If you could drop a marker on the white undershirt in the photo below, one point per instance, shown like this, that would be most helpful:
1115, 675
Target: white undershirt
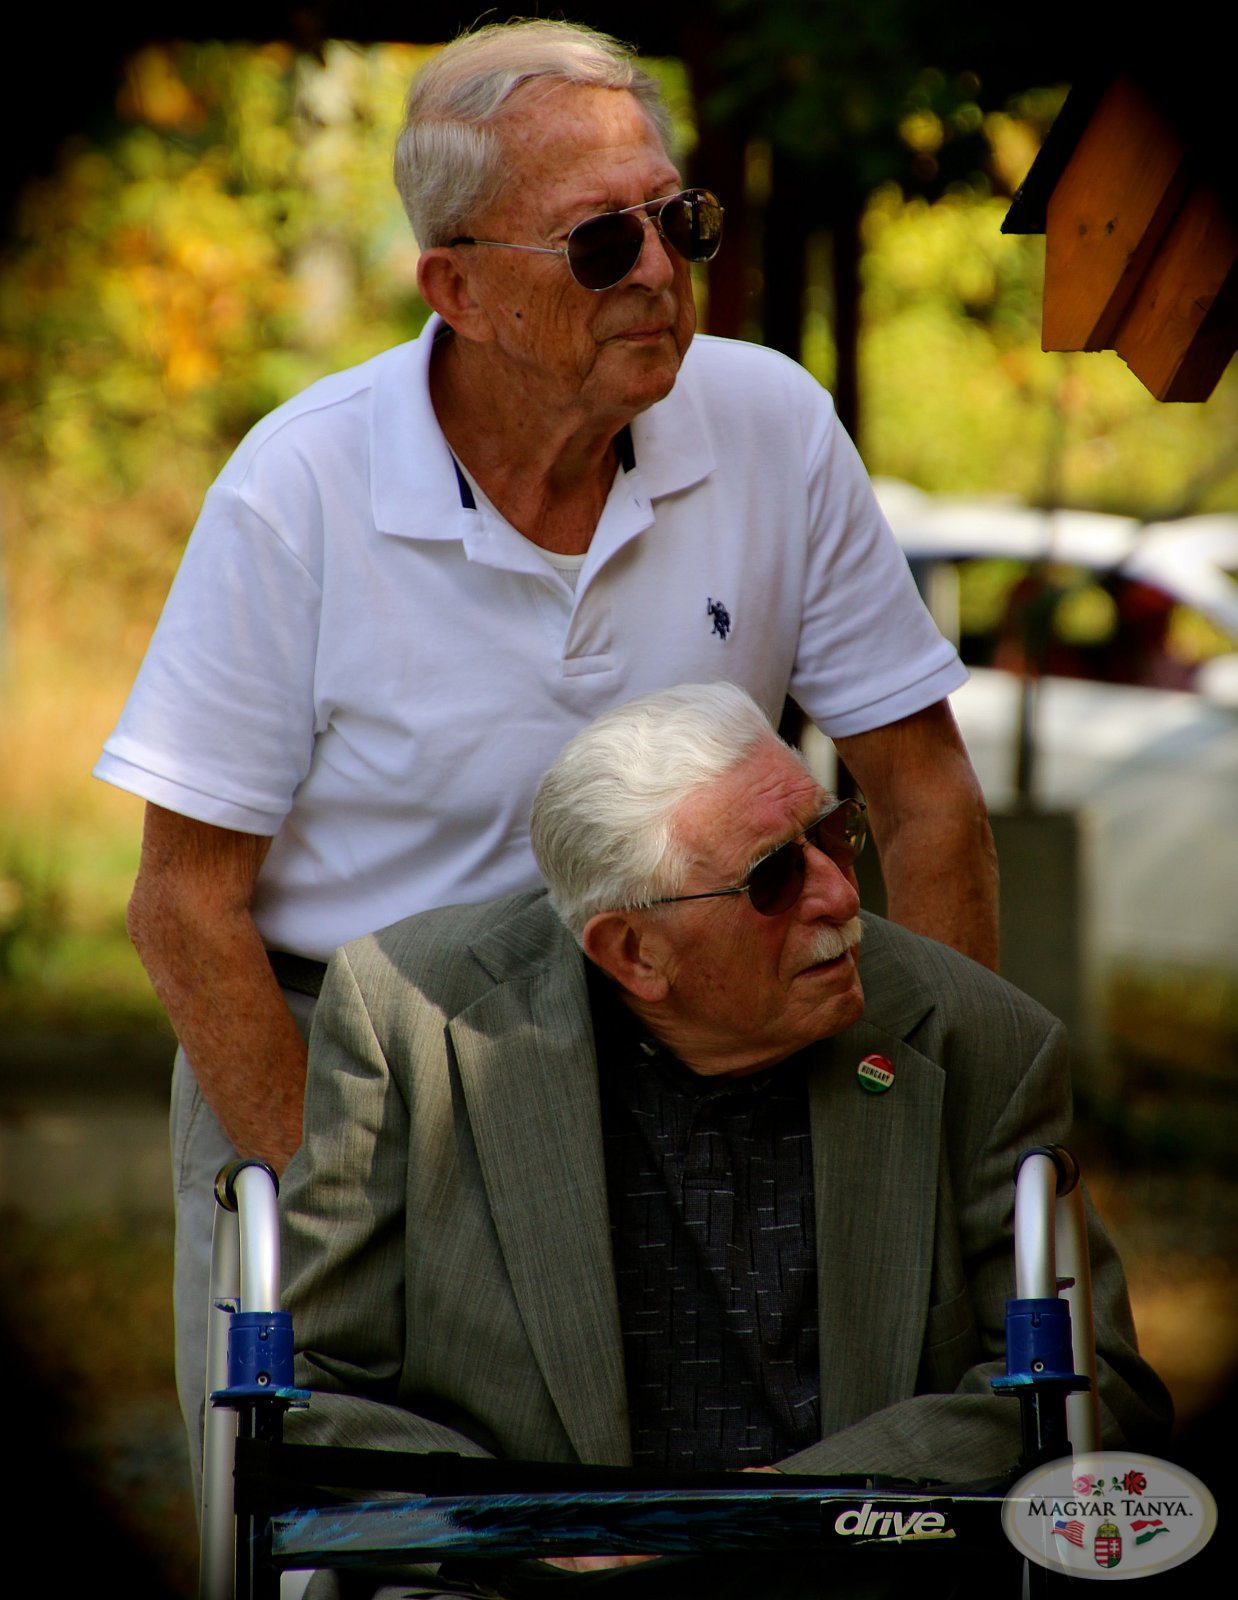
568, 566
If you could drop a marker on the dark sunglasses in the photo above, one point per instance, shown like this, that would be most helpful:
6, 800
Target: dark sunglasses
601, 251
775, 883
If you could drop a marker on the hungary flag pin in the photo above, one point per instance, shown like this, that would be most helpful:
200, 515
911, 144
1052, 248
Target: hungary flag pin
876, 1074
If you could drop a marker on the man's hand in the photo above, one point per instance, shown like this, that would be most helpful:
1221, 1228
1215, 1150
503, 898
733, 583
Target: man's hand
593, 1563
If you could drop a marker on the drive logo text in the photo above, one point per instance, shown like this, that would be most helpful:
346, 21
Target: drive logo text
886, 1522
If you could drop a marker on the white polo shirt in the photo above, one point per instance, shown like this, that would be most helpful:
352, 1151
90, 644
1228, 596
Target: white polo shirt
362, 659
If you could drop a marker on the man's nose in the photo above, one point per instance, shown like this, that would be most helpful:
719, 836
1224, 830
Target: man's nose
829, 891
655, 268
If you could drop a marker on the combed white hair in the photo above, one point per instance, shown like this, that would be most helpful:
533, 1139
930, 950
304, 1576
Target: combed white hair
602, 817
448, 157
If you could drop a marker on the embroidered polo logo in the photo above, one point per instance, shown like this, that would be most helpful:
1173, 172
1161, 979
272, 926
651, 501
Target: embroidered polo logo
721, 616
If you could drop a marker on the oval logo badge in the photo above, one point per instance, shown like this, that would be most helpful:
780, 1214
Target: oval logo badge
1110, 1514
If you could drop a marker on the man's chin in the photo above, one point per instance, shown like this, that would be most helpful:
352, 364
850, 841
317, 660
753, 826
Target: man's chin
848, 1007
650, 368
833, 989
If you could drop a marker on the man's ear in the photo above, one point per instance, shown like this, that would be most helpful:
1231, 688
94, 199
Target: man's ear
628, 954
446, 288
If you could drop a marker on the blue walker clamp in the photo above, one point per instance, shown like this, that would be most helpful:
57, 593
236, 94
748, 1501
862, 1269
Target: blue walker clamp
260, 1360
1038, 1347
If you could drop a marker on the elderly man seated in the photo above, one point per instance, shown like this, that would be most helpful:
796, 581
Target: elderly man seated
685, 1163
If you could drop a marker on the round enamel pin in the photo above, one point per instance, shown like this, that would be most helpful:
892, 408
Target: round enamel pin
876, 1074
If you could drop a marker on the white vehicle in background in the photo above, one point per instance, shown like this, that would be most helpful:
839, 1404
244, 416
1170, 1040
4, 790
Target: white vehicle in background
1137, 783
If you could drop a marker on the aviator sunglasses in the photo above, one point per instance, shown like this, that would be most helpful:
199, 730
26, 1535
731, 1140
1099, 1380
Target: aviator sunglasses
774, 884
601, 251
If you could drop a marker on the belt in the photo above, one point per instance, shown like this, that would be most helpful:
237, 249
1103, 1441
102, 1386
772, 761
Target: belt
301, 974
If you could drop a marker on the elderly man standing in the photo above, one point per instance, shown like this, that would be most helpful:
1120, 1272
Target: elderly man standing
596, 1176
413, 583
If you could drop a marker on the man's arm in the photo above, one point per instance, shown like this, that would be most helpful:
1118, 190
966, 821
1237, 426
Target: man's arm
970, 1433
931, 828
343, 1211
190, 922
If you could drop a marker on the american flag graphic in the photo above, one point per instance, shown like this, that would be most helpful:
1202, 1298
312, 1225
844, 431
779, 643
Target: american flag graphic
1071, 1531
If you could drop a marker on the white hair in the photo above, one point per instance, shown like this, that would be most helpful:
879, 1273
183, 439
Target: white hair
602, 823
448, 157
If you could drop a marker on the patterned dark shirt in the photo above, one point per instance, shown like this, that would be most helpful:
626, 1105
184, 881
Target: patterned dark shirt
710, 1189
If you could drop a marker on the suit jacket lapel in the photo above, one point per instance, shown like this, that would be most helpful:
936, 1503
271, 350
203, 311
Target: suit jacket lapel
528, 1069
875, 1161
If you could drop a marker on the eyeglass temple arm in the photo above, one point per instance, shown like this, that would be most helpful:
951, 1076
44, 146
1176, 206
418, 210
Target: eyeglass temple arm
506, 244
709, 894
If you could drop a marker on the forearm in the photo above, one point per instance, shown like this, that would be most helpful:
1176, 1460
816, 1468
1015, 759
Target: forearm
948, 1438
974, 1433
190, 923
940, 871
216, 985
931, 829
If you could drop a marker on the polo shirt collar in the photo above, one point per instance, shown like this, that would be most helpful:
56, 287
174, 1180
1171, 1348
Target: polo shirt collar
414, 491
416, 486
671, 440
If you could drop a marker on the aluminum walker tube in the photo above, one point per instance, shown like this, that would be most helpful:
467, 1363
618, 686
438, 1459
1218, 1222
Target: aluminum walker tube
1050, 1231
244, 1277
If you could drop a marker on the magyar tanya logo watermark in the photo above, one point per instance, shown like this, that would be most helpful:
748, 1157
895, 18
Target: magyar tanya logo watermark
1109, 1514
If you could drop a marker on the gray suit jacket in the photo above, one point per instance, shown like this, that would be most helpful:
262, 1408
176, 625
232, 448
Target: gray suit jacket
447, 1244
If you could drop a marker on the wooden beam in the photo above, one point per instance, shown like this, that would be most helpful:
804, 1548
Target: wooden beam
1106, 217
1181, 326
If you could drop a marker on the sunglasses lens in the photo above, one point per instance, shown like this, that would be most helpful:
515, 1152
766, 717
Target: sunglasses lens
602, 251
692, 222
840, 834
775, 883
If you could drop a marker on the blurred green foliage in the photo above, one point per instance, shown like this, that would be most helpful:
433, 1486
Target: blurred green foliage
238, 236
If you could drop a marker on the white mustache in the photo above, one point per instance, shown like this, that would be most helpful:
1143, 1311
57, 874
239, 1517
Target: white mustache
831, 943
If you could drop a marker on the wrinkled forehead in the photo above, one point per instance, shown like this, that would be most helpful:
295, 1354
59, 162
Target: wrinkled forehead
554, 132
768, 797
540, 101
